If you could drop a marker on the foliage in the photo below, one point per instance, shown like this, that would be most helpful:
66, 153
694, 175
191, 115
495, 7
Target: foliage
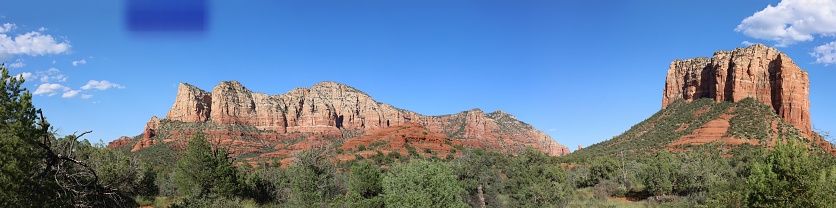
202, 171
364, 180
313, 179
790, 177
750, 120
479, 168
40, 170
534, 182
422, 184
680, 118
23, 182
412, 152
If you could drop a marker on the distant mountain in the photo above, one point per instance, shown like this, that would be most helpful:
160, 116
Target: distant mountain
748, 96
255, 124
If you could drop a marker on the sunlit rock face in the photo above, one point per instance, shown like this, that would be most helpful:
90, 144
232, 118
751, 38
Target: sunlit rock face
334, 110
758, 71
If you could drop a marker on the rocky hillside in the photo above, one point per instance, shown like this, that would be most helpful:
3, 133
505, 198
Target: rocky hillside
326, 114
747, 96
758, 71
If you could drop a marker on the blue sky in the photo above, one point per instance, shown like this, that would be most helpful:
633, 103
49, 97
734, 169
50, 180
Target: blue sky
582, 71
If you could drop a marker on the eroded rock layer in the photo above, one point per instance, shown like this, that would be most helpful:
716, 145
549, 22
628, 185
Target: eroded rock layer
330, 108
758, 71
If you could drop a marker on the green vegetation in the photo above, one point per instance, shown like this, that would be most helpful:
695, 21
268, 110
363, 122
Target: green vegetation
791, 177
204, 172
751, 120
422, 184
40, 169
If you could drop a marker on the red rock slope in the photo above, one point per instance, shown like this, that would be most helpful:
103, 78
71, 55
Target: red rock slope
757, 71
342, 112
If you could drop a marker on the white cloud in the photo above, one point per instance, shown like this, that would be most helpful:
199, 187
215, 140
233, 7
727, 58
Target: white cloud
7, 27
51, 74
42, 29
17, 64
32, 44
26, 75
70, 94
60, 78
101, 85
791, 21
825, 54
747, 43
50, 89
86, 96
552, 129
82, 61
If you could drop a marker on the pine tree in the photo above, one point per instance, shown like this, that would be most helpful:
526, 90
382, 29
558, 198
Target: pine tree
24, 139
202, 172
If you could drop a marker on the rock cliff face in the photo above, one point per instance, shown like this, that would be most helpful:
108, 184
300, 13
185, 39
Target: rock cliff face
758, 71
330, 108
192, 104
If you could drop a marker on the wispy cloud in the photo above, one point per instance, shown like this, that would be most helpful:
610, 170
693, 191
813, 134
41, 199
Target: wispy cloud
825, 54
101, 85
7, 27
79, 62
791, 21
86, 96
17, 64
747, 43
51, 74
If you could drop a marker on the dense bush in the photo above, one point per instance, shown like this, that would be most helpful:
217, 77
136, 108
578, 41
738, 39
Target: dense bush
422, 184
790, 177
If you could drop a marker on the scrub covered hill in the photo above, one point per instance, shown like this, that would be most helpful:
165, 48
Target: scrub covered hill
684, 125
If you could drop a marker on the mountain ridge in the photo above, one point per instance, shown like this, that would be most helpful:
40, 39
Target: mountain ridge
333, 110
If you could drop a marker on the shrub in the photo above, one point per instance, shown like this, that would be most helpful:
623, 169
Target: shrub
364, 180
422, 184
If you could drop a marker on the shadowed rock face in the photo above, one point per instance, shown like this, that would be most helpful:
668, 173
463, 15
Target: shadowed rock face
758, 71
330, 108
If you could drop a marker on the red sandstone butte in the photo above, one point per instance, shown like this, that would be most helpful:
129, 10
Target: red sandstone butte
758, 71
330, 108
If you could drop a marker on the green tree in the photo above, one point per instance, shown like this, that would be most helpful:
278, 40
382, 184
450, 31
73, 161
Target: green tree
40, 170
659, 175
202, 171
533, 181
478, 175
422, 184
23, 130
364, 185
364, 180
312, 179
790, 177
